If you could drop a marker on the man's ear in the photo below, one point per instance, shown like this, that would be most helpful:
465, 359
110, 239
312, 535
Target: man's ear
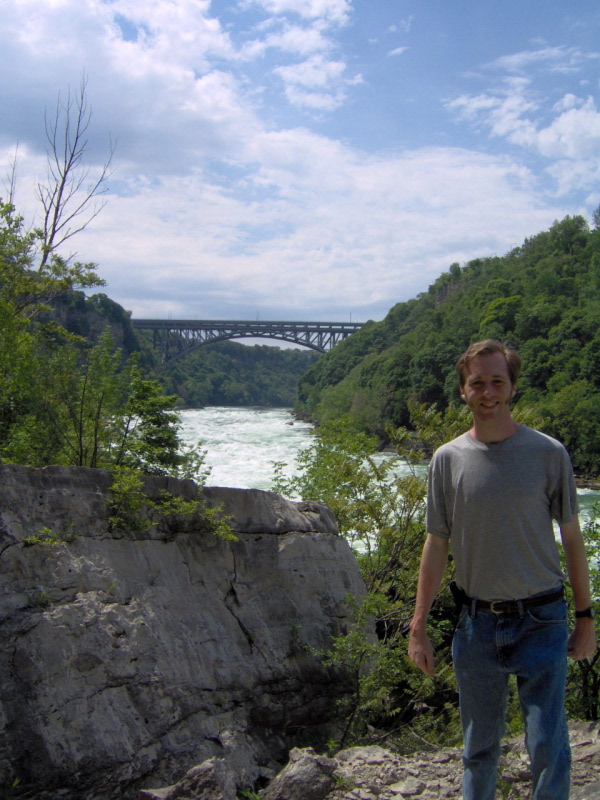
514, 391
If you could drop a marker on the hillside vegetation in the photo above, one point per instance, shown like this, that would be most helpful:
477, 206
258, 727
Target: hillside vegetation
542, 297
233, 374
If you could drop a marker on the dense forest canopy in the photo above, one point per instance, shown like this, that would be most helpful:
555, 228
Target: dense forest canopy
234, 374
542, 297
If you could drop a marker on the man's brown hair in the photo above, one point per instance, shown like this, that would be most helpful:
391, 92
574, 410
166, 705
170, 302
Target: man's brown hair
487, 348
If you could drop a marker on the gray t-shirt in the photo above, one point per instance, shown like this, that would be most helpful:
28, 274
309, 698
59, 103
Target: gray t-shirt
496, 502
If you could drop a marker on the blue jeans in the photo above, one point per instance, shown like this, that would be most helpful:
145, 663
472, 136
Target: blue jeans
486, 649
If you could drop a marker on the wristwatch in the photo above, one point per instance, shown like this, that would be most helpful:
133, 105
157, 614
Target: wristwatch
587, 612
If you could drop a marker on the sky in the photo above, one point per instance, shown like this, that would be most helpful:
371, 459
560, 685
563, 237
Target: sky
310, 160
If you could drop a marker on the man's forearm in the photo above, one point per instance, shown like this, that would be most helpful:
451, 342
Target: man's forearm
431, 572
582, 642
577, 566
433, 564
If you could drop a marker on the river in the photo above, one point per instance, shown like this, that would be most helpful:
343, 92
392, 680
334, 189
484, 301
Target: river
241, 445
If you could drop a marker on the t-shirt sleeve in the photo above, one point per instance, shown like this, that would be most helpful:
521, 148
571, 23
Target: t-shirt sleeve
437, 520
563, 494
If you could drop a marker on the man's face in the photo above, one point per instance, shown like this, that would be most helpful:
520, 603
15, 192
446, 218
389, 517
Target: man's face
488, 389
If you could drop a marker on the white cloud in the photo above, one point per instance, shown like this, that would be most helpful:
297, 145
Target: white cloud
335, 11
289, 39
571, 176
503, 113
318, 83
567, 102
174, 32
560, 59
567, 130
406, 24
472, 107
316, 101
140, 90
316, 72
574, 134
397, 51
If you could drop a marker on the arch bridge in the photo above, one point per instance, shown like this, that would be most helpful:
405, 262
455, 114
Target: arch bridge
175, 338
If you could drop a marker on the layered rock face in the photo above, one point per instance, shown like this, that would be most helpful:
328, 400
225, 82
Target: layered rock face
129, 656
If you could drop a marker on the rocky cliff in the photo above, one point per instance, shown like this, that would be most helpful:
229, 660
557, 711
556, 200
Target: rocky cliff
129, 656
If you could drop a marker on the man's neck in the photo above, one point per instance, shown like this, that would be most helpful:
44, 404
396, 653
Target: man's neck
494, 431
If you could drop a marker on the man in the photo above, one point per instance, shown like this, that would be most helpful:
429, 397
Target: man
493, 494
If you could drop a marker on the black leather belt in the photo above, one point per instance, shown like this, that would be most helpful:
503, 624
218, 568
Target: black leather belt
504, 606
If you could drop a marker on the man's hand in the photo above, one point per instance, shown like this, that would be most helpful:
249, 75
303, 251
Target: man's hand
582, 641
420, 652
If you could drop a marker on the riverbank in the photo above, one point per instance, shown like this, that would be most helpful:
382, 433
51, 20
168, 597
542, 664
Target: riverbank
587, 483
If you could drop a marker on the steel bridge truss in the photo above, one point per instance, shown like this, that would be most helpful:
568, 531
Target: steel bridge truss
176, 338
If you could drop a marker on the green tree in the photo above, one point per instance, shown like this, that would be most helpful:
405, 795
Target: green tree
62, 400
27, 288
570, 234
574, 418
583, 686
25, 291
499, 317
88, 407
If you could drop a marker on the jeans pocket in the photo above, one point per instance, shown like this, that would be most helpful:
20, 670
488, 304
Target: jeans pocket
549, 614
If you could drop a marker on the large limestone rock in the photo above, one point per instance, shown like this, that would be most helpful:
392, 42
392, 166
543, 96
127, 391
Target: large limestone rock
128, 657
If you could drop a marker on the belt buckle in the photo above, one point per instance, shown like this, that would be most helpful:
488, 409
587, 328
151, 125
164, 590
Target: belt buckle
493, 604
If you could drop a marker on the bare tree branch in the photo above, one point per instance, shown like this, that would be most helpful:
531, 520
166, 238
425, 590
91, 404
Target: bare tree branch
10, 181
69, 207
